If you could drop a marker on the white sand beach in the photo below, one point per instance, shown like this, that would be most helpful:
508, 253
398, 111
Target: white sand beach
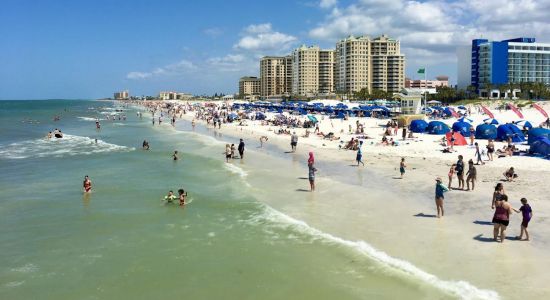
397, 216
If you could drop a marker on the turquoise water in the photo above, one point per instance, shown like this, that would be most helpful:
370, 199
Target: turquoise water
120, 242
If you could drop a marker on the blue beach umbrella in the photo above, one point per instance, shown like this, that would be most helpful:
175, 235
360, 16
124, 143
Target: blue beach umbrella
523, 123
491, 121
464, 119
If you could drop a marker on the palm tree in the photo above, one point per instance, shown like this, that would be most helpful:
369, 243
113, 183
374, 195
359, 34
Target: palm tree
471, 90
511, 87
488, 86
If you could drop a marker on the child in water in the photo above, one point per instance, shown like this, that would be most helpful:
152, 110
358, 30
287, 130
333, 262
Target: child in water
182, 196
170, 197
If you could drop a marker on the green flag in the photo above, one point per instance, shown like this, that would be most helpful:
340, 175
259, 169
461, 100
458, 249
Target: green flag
421, 71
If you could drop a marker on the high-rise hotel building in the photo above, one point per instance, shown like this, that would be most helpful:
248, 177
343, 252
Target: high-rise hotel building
249, 85
514, 60
312, 71
275, 76
362, 62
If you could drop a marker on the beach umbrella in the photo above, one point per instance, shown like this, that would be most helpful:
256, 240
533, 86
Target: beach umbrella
312, 119
523, 123
464, 119
492, 121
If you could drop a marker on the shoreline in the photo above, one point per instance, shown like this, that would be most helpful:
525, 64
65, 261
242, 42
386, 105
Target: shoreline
468, 237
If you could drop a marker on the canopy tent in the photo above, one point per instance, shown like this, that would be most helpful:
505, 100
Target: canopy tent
434, 102
459, 140
523, 123
486, 132
463, 128
260, 116
437, 127
233, 116
418, 126
464, 119
541, 146
536, 133
509, 130
491, 121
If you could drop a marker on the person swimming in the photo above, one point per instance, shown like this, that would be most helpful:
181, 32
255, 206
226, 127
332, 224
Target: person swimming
182, 197
57, 133
170, 197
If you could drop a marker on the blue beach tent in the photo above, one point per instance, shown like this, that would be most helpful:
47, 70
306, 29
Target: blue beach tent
463, 128
418, 126
537, 133
486, 132
260, 116
523, 123
437, 127
540, 147
510, 130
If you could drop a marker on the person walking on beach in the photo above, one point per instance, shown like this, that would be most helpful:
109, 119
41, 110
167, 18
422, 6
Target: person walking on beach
359, 156
404, 132
263, 139
490, 149
241, 148
527, 214
497, 194
293, 141
471, 175
312, 170
87, 184
402, 167
440, 190
478, 155
460, 172
472, 135
451, 174
501, 218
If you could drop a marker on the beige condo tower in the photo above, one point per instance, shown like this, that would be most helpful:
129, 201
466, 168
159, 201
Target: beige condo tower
275, 76
312, 71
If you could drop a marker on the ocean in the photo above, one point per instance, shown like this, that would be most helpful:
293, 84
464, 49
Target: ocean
122, 242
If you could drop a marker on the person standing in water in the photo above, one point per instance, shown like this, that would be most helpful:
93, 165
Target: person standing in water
241, 148
312, 170
175, 155
227, 152
293, 141
402, 167
182, 196
87, 184
440, 190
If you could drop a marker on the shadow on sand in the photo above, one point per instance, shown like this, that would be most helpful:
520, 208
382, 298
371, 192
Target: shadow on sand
482, 222
423, 215
302, 190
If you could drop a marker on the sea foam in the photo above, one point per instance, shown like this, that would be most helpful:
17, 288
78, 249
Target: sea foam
461, 289
69, 145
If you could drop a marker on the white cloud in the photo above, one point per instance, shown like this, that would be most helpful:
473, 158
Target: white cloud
177, 68
431, 30
213, 32
327, 3
262, 37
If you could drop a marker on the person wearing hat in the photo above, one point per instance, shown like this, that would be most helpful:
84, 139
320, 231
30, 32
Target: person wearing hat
440, 189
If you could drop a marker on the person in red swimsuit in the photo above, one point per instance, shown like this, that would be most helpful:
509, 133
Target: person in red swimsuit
87, 184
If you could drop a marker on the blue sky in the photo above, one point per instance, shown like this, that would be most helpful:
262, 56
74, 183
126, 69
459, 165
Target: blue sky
88, 49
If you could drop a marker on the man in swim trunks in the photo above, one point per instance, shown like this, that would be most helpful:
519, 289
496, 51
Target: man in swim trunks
293, 141
87, 184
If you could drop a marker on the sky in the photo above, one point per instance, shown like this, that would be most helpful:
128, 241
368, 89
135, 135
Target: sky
92, 48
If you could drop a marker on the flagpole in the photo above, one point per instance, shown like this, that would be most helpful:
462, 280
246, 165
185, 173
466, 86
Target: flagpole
425, 89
